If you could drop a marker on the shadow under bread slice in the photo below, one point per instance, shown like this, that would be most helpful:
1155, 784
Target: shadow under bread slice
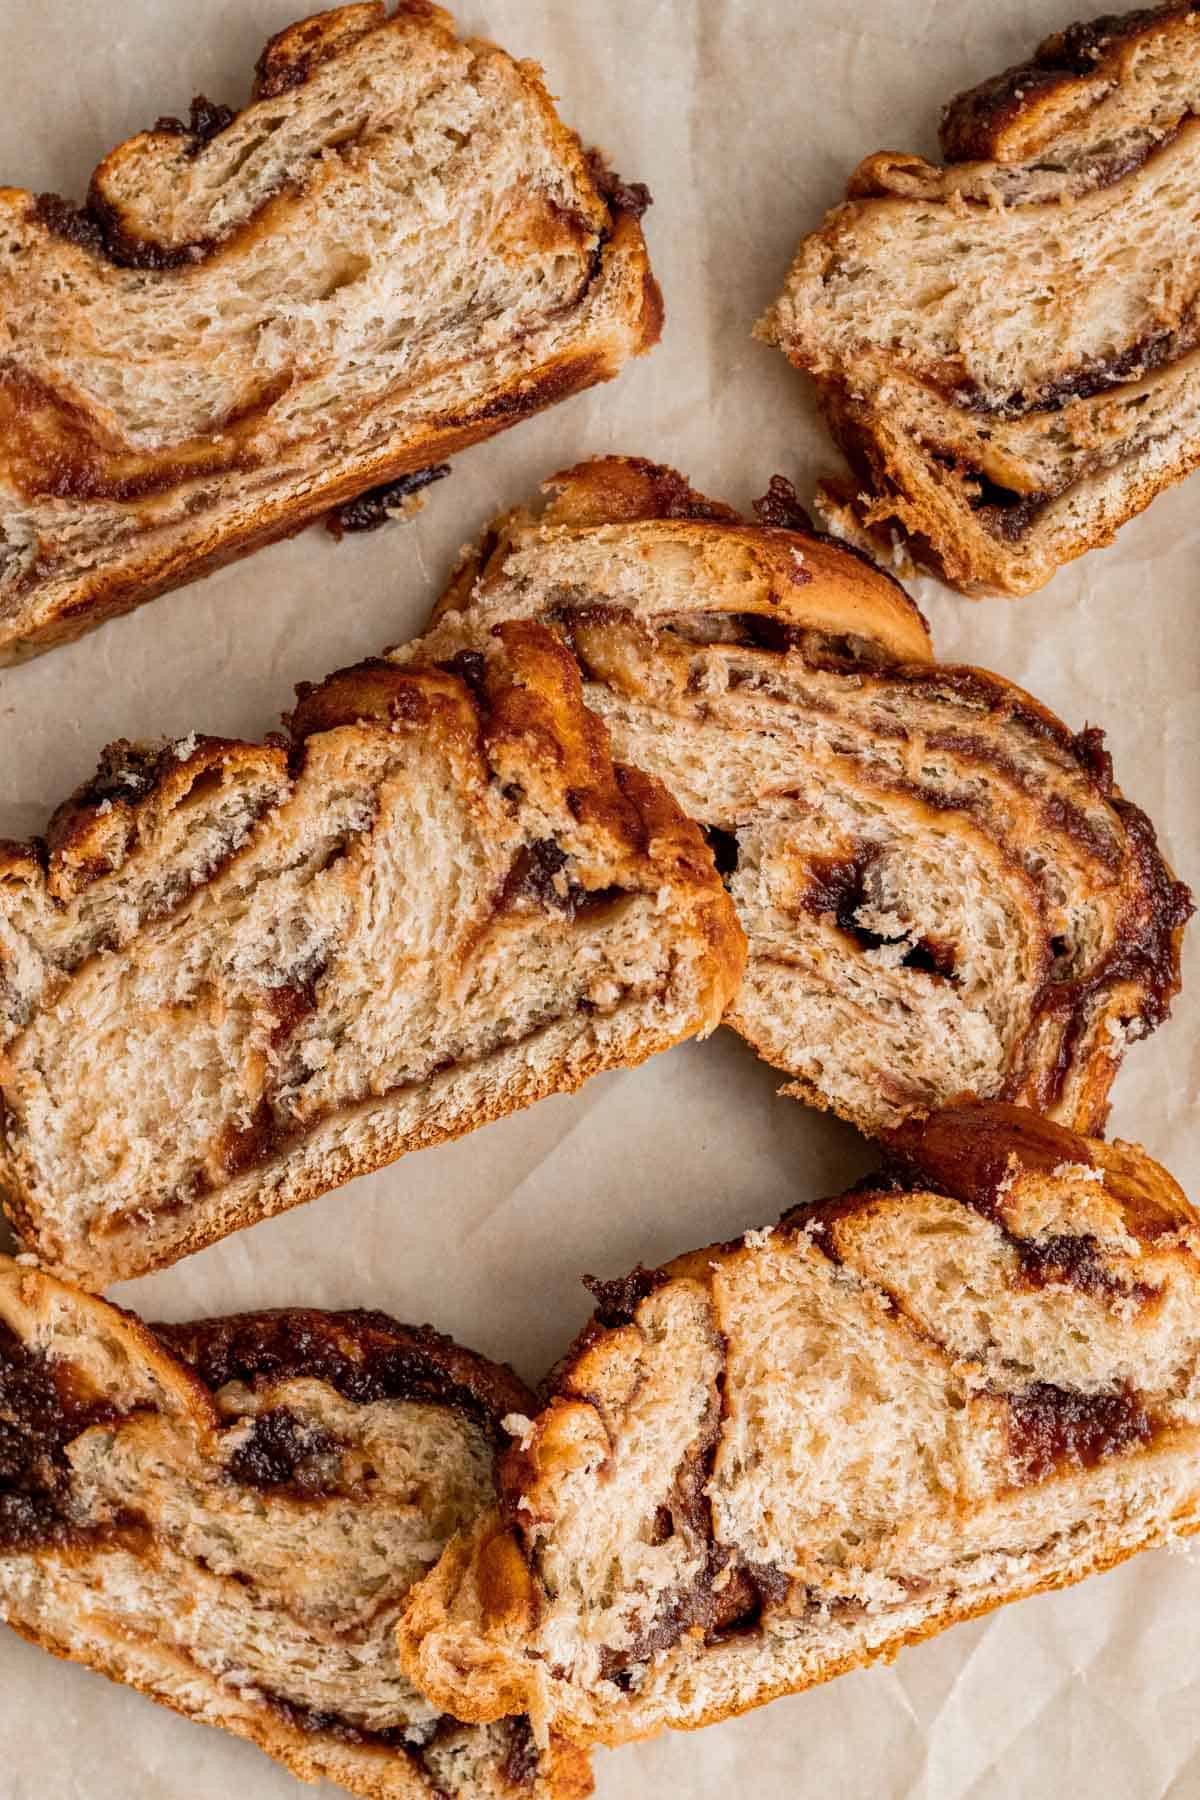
228, 1515
944, 890
236, 975
973, 1378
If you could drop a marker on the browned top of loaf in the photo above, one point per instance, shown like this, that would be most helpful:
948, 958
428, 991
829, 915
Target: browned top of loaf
1011, 115
105, 228
965, 1152
829, 586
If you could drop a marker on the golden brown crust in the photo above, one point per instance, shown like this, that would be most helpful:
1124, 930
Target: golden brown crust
97, 829
805, 578
364, 1356
968, 1152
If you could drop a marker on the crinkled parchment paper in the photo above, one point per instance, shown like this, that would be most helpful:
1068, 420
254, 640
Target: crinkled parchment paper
745, 117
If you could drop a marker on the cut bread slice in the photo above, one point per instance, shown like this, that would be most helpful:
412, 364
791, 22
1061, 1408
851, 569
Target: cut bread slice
781, 1458
239, 974
1007, 348
944, 893
228, 1516
397, 249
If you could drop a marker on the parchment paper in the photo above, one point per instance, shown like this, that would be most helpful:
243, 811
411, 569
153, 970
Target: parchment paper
745, 117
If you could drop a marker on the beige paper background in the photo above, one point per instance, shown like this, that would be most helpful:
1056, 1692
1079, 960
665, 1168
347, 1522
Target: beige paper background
744, 118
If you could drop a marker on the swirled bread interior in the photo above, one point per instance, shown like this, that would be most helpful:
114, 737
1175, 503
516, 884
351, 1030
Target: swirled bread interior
944, 892
1008, 346
228, 1516
237, 974
777, 1459
395, 250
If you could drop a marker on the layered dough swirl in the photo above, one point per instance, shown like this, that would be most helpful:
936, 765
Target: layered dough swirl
944, 892
228, 1516
395, 250
1007, 347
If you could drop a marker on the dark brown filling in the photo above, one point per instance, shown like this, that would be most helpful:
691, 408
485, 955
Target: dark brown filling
1145, 954
1096, 377
364, 1356
206, 120
1052, 1429
522, 1760
44, 1407
839, 652
471, 667
724, 846
617, 1301
632, 197
751, 1591
1076, 1262
537, 875
283, 1451
780, 509
838, 888
520, 1765
1006, 512
316, 1723
372, 509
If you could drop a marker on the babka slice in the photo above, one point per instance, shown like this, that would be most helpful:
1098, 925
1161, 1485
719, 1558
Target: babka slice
228, 1516
237, 975
944, 892
395, 250
1007, 347
962, 1383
